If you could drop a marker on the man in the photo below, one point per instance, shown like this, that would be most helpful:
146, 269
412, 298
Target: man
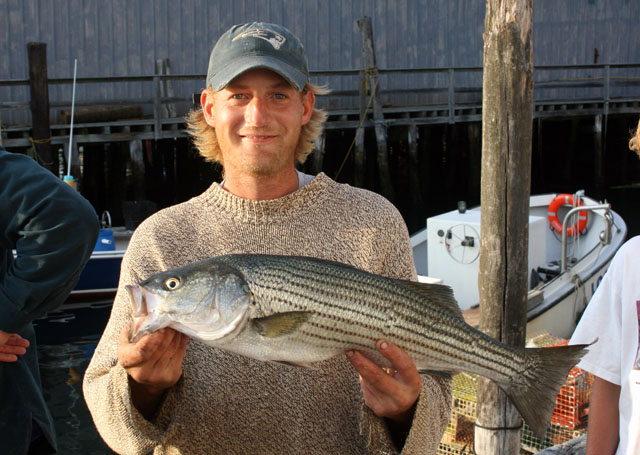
172, 396
53, 230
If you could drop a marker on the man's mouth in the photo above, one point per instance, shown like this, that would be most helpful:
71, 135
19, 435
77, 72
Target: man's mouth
256, 137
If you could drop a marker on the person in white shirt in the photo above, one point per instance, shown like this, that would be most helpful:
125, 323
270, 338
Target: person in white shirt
613, 318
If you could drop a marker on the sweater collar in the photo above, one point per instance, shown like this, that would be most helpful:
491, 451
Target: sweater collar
286, 207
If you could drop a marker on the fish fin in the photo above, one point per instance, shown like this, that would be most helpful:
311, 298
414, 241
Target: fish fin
533, 391
440, 374
295, 364
280, 324
439, 294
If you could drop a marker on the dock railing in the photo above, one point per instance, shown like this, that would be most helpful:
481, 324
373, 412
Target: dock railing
409, 97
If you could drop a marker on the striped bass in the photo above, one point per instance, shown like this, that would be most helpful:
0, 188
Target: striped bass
300, 311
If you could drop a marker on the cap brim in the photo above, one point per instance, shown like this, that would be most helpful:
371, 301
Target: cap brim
222, 78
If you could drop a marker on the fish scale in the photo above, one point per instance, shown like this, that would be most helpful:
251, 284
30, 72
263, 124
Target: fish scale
300, 311
335, 312
312, 289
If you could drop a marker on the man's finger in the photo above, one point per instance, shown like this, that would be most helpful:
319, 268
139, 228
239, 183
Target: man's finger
17, 340
154, 348
133, 354
175, 351
168, 348
370, 372
8, 358
12, 350
399, 359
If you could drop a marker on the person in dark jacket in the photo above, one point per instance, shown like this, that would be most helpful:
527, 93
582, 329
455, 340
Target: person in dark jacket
53, 231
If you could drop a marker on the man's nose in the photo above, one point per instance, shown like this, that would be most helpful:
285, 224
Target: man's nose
257, 112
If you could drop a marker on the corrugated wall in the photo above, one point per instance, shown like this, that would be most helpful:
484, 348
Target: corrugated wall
125, 37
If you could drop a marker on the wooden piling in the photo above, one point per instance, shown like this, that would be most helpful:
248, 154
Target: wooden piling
359, 154
417, 205
474, 147
137, 170
541, 177
599, 157
165, 87
317, 157
39, 88
507, 112
371, 72
571, 152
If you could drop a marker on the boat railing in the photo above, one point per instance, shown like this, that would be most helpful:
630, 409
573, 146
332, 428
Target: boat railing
605, 236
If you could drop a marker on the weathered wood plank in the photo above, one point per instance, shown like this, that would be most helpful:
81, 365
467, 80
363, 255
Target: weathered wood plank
40, 106
506, 173
381, 136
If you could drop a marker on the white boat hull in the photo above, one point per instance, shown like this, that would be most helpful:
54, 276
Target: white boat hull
554, 306
559, 312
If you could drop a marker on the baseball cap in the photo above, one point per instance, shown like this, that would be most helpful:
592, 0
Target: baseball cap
257, 45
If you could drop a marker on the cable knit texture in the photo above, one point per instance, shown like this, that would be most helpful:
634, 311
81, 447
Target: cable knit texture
228, 404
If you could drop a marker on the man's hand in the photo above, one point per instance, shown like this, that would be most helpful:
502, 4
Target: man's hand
154, 364
393, 392
11, 346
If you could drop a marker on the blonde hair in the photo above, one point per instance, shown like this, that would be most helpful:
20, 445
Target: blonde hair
634, 142
205, 140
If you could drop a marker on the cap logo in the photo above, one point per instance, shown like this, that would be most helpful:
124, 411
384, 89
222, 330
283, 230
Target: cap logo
273, 38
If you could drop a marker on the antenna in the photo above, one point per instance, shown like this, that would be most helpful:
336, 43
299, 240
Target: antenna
69, 178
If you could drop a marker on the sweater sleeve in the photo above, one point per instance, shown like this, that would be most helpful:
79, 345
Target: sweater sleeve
429, 422
106, 384
53, 230
434, 403
431, 416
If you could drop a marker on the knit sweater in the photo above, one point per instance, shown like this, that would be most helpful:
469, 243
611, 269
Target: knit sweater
225, 403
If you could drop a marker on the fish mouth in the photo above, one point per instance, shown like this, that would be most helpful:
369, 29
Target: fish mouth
138, 300
144, 321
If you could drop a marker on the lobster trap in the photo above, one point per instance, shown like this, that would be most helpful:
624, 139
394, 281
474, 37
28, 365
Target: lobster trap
567, 422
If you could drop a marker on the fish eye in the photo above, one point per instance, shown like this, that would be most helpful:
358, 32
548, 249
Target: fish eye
172, 284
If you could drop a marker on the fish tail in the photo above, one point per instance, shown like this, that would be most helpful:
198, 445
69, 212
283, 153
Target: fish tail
533, 391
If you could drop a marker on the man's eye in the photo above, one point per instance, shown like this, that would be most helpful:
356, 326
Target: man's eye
237, 96
280, 96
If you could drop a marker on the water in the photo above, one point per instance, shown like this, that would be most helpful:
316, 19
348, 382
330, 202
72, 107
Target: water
66, 341
62, 367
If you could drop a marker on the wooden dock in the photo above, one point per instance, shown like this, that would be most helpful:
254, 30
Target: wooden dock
593, 90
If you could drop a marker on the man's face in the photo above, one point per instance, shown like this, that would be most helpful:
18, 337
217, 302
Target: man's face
258, 118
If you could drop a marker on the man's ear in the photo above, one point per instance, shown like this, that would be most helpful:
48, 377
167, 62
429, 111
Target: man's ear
206, 101
308, 101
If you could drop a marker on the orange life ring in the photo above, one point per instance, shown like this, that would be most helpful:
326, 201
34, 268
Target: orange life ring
556, 224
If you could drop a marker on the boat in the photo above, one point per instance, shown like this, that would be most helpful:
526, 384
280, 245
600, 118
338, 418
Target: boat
572, 239
87, 309
99, 278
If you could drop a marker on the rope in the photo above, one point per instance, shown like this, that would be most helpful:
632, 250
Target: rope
371, 71
578, 284
367, 72
35, 150
475, 424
